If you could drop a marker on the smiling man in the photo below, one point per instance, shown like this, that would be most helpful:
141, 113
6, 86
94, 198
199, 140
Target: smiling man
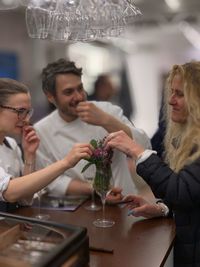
77, 120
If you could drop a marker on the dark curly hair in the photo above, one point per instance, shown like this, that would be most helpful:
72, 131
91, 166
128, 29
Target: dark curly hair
49, 73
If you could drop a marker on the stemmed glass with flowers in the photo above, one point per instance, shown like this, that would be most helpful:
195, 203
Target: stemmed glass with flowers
102, 184
89, 175
103, 180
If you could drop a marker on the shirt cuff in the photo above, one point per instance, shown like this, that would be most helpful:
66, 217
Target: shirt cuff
141, 138
144, 155
4, 185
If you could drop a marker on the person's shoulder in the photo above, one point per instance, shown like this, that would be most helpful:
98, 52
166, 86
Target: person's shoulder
3, 175
106, 105
46, 120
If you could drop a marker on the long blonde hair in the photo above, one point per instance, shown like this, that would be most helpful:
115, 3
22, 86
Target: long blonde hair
182, 140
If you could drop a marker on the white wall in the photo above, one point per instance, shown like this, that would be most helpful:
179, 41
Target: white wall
144, 75
152, 54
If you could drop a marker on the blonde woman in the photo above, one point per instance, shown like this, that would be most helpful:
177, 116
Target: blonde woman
177, 180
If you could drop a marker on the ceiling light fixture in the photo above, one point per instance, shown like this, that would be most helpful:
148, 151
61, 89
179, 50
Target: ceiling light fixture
191, 34
75, 20
173, 4
8, 4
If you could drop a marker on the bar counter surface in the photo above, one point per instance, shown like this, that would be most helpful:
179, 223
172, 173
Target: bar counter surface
135, 242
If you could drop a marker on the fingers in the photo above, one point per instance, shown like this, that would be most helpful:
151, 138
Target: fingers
136, 212
84, 106
84, 150
134, 198
113, 198
88, 112
30, 135
117, 136
116, 190
85, 146
145, 210
112, 139
28, 127
78, 152
109, 137
108, 141
115, 195
129, 197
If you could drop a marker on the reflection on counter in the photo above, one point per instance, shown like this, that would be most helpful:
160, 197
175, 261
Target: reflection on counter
27, 242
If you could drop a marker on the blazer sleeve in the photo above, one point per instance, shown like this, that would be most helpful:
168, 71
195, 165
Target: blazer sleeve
180, 189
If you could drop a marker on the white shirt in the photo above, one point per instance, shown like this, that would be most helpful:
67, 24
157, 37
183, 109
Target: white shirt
57, 137
4, 181
11, 158
11, 164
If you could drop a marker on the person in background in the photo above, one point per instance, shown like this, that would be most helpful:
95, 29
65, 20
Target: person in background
176, 181
157, 140
78, 120
104, 89
15, 113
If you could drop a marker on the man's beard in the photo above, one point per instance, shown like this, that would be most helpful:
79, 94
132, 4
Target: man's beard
70, 110
69, 113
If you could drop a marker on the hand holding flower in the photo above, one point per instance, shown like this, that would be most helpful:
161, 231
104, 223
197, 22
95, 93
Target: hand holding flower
121, 141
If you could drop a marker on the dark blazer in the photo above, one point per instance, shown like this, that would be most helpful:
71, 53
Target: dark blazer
181, 192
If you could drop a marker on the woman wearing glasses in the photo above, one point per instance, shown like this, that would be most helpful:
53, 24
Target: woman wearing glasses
15, 113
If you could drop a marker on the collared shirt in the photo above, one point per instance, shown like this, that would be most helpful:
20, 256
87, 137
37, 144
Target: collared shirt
10, 163
11, 158
4, 181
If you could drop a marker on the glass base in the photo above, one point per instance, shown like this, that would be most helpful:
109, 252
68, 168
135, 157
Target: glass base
42, 216
103, 223
93, 207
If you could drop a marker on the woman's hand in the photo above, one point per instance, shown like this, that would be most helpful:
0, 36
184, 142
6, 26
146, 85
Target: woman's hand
141, 207
114, 195
78, 152
30, 140
124, 143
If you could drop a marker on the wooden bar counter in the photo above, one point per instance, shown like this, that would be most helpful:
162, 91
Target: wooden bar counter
136, 242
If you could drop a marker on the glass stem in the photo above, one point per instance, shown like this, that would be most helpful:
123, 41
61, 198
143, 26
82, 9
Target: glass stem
103, 208
93, 197
39, 204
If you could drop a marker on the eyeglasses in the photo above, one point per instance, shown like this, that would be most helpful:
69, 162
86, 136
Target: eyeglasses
22, 113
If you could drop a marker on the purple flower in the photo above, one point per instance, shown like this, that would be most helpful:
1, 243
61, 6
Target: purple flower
100, 156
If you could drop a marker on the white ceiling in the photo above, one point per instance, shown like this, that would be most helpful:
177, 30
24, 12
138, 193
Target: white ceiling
162, 27
157, 11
